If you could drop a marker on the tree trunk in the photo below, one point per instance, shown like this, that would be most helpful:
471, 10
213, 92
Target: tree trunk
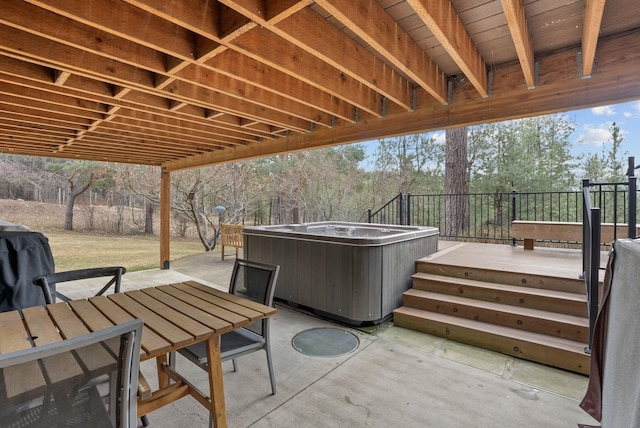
148, 218
455, 183
71, 199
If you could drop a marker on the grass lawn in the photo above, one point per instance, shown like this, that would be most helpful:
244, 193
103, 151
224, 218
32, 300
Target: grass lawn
80, 248
72, 250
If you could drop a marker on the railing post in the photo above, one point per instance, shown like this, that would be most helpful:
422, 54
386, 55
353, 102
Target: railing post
369, 215
594, 277
513, 214
632, 189
585, 227
401, 209
408, 221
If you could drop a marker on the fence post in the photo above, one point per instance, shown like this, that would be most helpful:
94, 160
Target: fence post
632, 189
369, 215
408, 220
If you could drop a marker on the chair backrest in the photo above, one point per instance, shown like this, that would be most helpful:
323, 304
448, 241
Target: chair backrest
55, 384
255, 281
48, 281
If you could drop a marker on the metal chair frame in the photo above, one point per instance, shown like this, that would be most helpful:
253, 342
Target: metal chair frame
245, 340
125, 386
48, 281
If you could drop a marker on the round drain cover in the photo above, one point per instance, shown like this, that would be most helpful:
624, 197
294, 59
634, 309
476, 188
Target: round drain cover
325, 342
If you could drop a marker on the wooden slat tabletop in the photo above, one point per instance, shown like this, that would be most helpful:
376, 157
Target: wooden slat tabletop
152, 343
96, 359
16, 338
152, 321
188, 308
175, 316
235, 314
44, 331
265, 311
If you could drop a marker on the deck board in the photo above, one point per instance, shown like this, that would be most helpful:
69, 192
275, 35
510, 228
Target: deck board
558, 262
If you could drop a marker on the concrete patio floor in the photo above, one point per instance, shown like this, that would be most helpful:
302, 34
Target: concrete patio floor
396, 377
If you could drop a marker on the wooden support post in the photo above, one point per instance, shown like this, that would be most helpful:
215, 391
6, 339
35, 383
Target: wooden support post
165, 216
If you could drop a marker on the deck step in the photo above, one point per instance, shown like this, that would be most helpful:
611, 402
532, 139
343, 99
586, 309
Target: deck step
520, 296
568, 285
553, 351
521, 318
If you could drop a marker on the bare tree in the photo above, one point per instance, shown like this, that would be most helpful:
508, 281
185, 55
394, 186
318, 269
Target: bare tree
78, 182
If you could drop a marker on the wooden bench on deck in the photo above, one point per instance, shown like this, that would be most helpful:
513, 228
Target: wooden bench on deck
531, 231
230, 236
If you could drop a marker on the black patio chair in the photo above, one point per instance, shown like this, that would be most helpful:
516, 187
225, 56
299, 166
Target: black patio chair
254, 281
57, 384
48, 281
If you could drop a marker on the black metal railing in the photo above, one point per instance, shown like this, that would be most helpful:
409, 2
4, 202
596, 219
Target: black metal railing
591, 260
489, 215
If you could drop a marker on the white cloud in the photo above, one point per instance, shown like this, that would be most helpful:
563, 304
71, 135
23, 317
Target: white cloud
632, 109
603, 111
594, 136
439, 137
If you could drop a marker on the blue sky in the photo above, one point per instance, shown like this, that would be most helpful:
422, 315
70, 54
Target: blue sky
592, 128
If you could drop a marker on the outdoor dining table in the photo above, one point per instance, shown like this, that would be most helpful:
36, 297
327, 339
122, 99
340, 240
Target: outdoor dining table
175, 316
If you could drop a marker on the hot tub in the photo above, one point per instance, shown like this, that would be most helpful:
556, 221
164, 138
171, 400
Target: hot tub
351, 272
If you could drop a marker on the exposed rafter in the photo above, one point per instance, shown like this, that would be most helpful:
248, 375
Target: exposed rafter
179, 84
371, 23
445, 24
517, 21
594, 9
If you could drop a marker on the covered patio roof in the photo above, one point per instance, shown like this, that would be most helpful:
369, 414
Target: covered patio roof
186, 83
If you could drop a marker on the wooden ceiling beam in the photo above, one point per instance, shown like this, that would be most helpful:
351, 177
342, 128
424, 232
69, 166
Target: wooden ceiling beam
92, 66
188, 12
309, 31
252, 40
616, 81
249, 70
142, 57
263, 11
369, 21
594, 9
445, 24
292, 60
517, 22
145, 109
116, 17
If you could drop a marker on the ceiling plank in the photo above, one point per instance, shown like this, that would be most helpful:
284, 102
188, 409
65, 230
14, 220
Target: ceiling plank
369, 21
445, 24
594, 9
517, 22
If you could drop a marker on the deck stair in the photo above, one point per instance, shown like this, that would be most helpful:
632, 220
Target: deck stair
530, 315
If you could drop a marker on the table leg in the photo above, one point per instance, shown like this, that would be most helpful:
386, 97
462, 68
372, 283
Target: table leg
216, 385
163, 378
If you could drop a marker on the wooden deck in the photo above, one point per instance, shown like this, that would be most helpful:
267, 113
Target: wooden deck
529, 304
555, 262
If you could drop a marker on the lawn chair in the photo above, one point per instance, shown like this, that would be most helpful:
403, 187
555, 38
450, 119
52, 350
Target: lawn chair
57, 384
48, 281
254, 281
